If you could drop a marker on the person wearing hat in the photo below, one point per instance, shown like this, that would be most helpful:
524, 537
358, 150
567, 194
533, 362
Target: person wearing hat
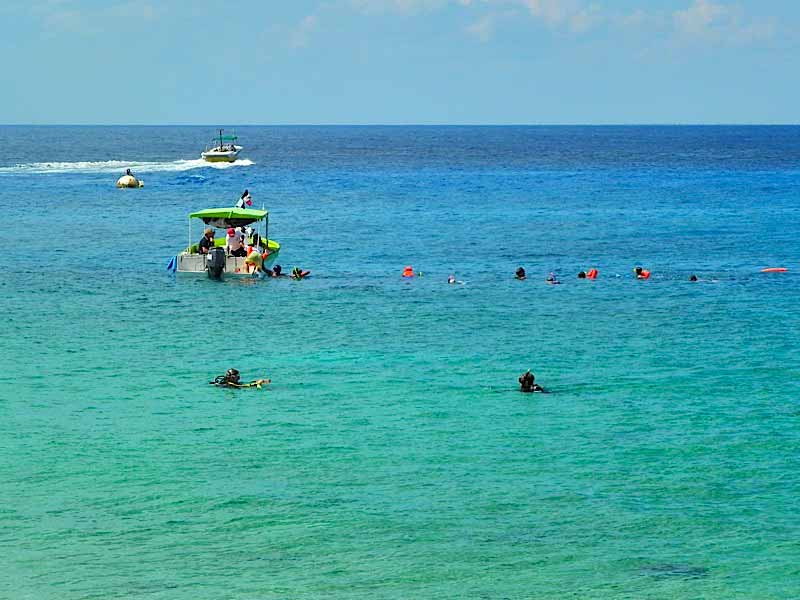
206, 242
233, 244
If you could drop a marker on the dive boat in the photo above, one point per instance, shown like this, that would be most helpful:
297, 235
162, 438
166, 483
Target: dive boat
223, 149
216, 263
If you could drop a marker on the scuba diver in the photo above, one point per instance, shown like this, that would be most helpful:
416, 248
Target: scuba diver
231, 380
527, 383
520, 274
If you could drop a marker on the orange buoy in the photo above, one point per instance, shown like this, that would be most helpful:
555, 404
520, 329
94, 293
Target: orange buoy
408, 272
591, 274
774, 270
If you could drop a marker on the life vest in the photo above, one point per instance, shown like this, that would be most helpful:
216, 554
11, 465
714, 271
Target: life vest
408, 272
591, 274
645, 274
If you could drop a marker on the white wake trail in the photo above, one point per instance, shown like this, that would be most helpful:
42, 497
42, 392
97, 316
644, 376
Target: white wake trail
119, 166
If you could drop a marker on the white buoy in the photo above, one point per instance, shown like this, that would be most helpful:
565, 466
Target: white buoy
129, 181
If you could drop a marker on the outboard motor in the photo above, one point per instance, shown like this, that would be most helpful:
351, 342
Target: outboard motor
215, 264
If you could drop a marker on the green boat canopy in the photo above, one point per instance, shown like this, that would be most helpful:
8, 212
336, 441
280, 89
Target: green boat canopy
229, 217
225, 138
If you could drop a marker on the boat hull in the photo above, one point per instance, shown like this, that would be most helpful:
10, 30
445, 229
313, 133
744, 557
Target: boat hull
234, 265
221, 155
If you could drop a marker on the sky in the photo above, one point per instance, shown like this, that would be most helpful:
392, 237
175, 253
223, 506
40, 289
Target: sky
399, 61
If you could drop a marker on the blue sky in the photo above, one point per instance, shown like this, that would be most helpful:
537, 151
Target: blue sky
400, 61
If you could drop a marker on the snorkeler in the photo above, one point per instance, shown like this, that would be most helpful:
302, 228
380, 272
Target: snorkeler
520, 274
298, 273
231, 380
527, 383
552, 279
641, 273
693, 278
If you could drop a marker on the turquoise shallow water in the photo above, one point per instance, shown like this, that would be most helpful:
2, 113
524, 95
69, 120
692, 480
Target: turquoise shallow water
393, 456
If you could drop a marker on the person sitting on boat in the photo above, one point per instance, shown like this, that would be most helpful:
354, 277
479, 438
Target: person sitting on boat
206, 242
233, 244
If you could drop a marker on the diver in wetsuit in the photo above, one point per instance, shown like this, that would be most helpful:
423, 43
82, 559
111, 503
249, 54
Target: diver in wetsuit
527, 383
231, 380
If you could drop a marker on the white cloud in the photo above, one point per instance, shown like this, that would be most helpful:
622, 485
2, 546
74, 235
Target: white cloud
700, 17
483, 28
708, 20
585, 19
716, 22
133, 10
71, 21
301, 34
67, 17
571, 14
402, 6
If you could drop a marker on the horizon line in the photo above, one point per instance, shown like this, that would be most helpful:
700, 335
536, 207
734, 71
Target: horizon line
654, 124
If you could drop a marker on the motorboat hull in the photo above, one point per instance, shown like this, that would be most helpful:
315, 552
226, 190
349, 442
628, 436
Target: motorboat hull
216, 155
234, 265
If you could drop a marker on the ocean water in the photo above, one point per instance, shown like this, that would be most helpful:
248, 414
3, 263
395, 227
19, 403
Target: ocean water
393, 455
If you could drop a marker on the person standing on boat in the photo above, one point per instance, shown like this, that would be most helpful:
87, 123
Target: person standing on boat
245, 201
206, 242
242, 233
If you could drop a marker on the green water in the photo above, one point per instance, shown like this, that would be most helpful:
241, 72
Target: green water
392, 456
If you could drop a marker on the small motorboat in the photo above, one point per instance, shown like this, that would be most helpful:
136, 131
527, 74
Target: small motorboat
222, 149
216, 263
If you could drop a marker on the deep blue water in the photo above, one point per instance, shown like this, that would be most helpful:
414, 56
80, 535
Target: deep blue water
393, 456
